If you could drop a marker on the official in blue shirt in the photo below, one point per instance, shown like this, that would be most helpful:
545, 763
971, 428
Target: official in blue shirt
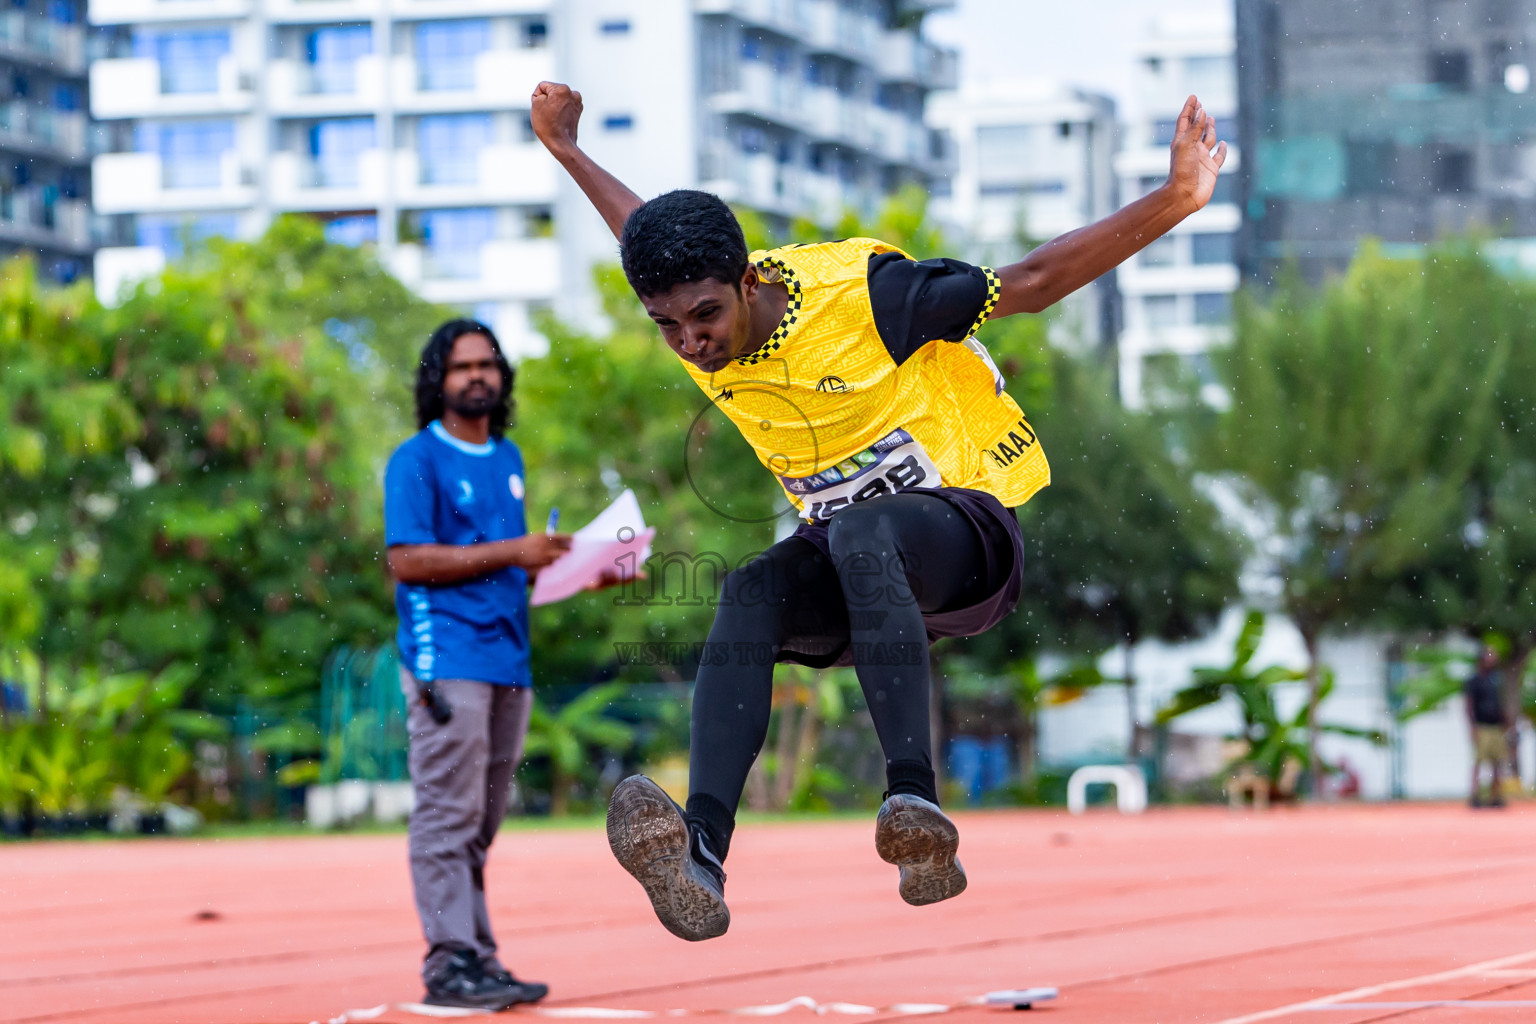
461, 555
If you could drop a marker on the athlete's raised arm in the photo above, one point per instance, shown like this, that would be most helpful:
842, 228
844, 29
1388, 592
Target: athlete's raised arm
556, 113
1062, 266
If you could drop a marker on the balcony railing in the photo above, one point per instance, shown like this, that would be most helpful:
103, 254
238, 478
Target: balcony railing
32, 34
39, 126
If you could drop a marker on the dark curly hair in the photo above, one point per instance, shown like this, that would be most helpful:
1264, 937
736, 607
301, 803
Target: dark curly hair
682, 236
434, 364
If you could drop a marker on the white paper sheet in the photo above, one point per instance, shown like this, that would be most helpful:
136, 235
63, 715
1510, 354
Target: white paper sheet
617, 539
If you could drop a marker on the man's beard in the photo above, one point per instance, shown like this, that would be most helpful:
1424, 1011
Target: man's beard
472, 403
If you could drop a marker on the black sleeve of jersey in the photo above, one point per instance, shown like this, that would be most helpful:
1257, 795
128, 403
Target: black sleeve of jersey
916, 302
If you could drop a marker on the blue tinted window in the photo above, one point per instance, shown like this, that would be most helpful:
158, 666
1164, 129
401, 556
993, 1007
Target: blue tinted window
171, 235
1213, 309
354, 231
446, 51
453, 239
336, 145
618, 122
449, 147
332, 54
188, 58
191, 152
66, 96
1206, 249
65, 12
617, 27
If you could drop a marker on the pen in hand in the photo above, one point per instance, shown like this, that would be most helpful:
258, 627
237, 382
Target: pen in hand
554, 518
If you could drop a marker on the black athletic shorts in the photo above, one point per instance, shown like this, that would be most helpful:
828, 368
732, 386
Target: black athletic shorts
826, 644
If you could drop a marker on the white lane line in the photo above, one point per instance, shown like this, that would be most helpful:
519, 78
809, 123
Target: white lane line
1367, 992
1007, 998
1433, 1004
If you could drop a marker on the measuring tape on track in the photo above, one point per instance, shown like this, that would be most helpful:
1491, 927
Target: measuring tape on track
1012, 999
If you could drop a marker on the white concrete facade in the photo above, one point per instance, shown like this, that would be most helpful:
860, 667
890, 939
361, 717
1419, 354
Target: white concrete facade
1033, 160
1177, 293
404, 123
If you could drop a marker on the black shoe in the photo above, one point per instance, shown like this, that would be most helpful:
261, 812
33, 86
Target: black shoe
526, 991
461, 982
914, 834
684, 880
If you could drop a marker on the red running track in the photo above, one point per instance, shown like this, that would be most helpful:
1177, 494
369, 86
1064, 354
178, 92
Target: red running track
1407, 913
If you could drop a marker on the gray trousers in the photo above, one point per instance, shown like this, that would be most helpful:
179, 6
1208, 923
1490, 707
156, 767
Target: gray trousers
462, 776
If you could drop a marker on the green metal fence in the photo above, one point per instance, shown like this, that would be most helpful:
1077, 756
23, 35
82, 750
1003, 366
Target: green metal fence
363, 716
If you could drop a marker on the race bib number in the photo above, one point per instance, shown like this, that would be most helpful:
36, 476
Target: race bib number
894, 463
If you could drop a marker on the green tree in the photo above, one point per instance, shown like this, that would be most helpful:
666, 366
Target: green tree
192, 477
1378, 428
1123, 546
569, 735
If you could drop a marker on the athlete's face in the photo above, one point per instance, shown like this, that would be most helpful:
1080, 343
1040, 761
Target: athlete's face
706, 322
472, 381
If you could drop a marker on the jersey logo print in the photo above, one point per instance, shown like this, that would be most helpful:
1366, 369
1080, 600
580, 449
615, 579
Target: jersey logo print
833, 384
469, 493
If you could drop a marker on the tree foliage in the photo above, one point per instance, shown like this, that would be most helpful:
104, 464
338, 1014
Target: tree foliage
192, 477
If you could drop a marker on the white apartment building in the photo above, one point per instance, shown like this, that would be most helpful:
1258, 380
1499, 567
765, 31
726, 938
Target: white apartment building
1033, 160
1177, 293
404, 124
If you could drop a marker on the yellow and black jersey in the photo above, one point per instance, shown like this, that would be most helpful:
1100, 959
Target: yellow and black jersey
850, 399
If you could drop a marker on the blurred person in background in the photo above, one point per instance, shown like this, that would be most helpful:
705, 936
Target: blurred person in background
1490, 728
462, 559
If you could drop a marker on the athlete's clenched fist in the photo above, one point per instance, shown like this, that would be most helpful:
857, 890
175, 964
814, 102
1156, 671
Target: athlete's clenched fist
556, 113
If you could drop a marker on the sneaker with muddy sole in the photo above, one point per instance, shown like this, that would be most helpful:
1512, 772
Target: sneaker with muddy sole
914, 834
650, 839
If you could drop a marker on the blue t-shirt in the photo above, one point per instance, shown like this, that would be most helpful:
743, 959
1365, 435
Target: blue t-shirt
440, 490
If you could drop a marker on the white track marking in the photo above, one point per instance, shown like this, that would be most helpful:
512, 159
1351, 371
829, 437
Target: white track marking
1434, 1004
1014, 996
1355, 995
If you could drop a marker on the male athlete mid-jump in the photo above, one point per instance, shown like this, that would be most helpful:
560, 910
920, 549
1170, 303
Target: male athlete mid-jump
852, 372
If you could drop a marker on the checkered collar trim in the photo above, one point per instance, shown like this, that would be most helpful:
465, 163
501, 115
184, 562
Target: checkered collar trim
772, 269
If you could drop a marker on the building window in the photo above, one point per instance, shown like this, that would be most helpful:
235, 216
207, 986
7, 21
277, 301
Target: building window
1164, 252
535, 35
618, 122
191, 152
1452, 171
1451, 70
1012, 146
1211, 249
1213, 309
188, 58
1163, 129
1370, 168
1225, 191
752, 48
446, 52
362, 229
453, 238
1161, 310
616, 27
336, 147
449, 145
332, 54
172, 235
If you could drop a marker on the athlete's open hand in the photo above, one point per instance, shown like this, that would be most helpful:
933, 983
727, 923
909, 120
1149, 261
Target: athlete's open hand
556, 113
1197, 156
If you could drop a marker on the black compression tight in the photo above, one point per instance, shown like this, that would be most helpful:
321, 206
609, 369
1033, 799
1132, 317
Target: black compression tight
893, 559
